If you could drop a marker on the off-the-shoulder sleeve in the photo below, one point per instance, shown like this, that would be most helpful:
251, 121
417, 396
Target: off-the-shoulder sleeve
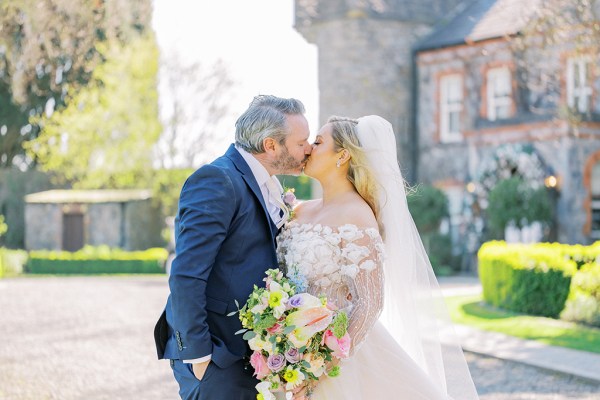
362, 269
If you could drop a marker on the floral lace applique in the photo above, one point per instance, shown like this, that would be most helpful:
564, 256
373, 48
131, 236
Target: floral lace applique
343, 263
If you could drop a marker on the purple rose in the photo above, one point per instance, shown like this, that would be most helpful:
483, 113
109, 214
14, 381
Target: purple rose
276, 362
295, 301
293, 355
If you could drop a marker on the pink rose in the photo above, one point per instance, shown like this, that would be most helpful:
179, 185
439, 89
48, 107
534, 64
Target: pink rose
289, 198
259, 363
340, 347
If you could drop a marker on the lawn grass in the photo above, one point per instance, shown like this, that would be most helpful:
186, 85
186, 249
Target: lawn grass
471, 311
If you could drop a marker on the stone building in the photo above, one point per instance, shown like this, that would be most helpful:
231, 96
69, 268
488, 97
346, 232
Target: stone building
70, 219
450, 78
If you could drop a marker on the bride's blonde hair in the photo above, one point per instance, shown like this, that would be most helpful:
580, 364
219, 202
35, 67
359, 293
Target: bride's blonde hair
359, 173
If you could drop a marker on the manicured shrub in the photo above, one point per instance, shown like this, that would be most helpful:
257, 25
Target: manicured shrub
583, 303
12, 261
97, 260
525, 278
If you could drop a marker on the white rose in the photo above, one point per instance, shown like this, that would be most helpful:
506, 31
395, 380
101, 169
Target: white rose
263, 388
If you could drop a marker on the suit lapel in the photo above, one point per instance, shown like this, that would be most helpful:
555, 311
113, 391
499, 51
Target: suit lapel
250, 180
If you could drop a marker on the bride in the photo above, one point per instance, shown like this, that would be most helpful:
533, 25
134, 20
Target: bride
359, 247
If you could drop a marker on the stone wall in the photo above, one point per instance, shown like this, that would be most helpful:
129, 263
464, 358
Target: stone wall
565, 148
43, 226
365, 67
104, 225
142, 226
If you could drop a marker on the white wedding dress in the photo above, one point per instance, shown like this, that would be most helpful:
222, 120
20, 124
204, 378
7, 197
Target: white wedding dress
345, 264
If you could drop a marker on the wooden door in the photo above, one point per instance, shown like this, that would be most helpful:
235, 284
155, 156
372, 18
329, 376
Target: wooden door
73, 232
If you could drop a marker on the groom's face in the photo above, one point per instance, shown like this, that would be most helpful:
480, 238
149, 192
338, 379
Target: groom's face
291, 156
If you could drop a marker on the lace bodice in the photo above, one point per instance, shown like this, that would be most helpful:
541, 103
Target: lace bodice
343, 263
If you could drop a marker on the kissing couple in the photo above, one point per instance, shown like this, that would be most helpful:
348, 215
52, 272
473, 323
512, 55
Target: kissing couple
357, 245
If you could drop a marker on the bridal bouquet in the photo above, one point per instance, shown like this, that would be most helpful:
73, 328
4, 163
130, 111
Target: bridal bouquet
292, 336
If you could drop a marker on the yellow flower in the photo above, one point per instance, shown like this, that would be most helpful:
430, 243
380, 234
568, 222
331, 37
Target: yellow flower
275, 299
293, 377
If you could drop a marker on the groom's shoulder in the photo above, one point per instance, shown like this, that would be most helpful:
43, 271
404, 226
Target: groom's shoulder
216, 169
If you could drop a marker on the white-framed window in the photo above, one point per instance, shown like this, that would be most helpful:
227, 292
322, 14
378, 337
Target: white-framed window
595, 188
499, 93
579, 88
451, 105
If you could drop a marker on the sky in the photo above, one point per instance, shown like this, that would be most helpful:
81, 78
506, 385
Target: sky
255, 38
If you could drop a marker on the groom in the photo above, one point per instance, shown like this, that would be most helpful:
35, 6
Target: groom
229, 214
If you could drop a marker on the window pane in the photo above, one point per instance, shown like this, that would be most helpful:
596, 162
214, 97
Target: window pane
454, 122
451, 95
596, 180
503, 112
499, 93
578, 85
596, 219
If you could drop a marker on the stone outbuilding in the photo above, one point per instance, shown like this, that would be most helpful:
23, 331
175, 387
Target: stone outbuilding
70, 219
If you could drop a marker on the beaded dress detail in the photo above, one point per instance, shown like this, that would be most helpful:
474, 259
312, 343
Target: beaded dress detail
345, 264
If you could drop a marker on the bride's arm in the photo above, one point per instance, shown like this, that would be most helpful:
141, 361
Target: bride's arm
367, 288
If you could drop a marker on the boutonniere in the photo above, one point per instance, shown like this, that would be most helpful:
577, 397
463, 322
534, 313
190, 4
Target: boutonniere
289, 199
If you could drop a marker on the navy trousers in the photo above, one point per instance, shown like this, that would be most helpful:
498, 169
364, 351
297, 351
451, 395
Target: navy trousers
233, 383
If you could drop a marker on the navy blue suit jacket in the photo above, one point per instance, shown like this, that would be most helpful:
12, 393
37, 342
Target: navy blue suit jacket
225, 241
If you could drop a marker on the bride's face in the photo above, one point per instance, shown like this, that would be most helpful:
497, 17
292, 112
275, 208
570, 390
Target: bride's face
323, 157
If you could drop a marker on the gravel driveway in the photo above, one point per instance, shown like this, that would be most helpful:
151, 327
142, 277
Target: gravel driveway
91, 338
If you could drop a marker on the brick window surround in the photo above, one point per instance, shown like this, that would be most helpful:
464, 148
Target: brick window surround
489, 96
577, 81
450, 96
592, 201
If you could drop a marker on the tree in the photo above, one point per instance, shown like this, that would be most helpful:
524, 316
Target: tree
103, 137
513, 201
195, 99
48, 50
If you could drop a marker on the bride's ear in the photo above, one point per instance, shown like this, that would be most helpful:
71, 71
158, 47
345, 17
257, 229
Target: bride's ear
343, 156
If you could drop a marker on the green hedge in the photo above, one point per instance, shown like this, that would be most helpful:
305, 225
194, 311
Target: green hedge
97, 260
525, 278
12, 261
583, 303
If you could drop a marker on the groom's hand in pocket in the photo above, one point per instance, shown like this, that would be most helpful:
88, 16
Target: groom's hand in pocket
199, 369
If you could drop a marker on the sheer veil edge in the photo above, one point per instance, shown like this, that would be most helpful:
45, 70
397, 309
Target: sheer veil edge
414, 311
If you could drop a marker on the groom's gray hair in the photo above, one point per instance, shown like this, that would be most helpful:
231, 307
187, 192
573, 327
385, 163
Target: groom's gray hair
264, 118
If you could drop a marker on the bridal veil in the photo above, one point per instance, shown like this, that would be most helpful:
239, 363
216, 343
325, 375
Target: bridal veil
414, 311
